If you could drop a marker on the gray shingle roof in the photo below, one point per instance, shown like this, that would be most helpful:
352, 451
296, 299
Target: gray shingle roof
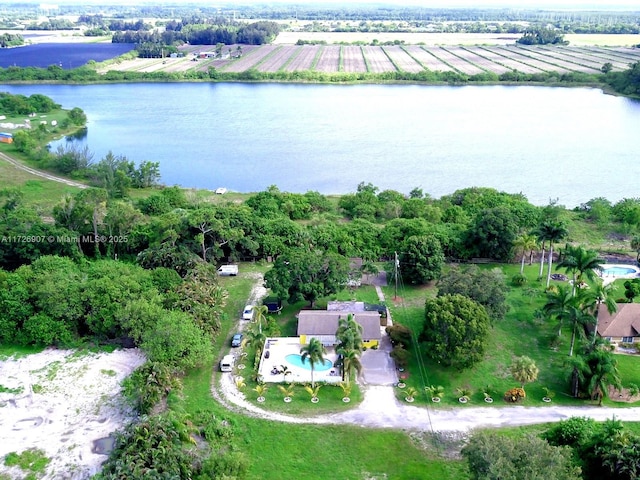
323, 322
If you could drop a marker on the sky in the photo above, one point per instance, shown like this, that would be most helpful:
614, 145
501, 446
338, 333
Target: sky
524, 4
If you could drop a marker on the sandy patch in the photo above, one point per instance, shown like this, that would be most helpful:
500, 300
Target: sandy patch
60, 402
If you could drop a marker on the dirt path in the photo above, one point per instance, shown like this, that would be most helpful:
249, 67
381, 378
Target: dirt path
40, 173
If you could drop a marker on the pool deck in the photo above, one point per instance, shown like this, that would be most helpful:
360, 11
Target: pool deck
273, 356
610, 278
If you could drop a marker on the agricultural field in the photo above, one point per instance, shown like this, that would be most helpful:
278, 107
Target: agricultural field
469, 60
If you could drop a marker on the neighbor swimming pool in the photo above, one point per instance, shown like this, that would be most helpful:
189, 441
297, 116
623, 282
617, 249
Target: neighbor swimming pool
618, 271
296, 360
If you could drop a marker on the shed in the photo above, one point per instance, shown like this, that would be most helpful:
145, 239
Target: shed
6, 137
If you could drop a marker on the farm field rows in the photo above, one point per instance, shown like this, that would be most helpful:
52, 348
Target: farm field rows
470, 60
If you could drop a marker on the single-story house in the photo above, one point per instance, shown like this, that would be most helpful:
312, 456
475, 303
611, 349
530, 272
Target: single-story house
323, 324
622, 326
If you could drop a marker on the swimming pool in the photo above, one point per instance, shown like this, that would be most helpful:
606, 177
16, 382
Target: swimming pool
296, 360
619, 271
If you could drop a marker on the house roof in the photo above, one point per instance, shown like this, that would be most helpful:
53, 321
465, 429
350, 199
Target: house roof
624, 322
324, 322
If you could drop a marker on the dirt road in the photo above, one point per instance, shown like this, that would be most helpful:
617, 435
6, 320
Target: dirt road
40, 173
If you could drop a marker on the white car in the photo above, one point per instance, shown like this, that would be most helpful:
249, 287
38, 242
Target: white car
247, 313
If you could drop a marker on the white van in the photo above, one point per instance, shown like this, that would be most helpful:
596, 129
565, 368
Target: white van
226, 364
228, 270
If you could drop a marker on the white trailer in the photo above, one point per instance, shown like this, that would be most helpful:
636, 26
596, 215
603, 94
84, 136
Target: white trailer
228, 270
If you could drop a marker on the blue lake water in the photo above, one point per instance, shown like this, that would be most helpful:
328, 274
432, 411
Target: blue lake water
65, 55
570, 144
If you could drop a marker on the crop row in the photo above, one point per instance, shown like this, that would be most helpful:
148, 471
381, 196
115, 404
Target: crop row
469, 60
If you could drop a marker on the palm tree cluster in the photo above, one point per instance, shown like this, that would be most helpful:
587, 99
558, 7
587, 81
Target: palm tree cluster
349, 348
593, 371
579, 306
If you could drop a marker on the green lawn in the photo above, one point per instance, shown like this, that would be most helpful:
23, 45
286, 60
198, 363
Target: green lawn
522, 332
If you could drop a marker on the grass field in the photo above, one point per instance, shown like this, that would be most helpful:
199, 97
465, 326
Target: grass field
522, 332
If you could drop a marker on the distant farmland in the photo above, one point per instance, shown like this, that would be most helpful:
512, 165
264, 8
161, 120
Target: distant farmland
469, 60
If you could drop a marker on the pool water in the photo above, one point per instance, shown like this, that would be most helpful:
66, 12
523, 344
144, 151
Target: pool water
296, 360
616, 271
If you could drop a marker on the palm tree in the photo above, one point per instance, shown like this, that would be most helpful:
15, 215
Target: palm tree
577, 316
255, 338
260, 389
346, 390
553, 232
578, 375
349, 334
260, 315
558, 305
314, 351
524, 370
604, 372
600, 295
286, 391
581, 263
313, 392
540, 236
635, 244
350, 360
285, 370
240, 383
524, 244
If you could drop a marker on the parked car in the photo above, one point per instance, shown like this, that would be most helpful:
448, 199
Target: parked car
236, 341
247, 313
226, 364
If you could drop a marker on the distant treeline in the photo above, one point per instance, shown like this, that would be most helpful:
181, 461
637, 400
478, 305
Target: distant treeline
627, 82
229, 33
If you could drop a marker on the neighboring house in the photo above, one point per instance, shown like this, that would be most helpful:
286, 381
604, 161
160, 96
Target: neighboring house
623, 326
323, 324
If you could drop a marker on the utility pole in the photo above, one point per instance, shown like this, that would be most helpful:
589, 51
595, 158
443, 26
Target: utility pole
396, 265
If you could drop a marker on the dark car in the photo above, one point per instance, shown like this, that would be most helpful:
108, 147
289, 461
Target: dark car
236, 341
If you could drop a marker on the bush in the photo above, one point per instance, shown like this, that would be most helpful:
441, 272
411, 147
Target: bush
399, 334
574, 432
400, 356
518, 280
514, 395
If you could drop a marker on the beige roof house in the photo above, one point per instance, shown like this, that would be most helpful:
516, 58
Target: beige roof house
621, 326
322, 324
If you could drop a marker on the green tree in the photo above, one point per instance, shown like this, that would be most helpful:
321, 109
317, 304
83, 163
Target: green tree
492, 456
579, 319
525, 244
313, 352
177, 341
492, 234
487, 287
603, 371
635, 245
557, 305
580, 263
597, 296
421, 259
552, 232
302, 274
455, 330
260, 315
524, 370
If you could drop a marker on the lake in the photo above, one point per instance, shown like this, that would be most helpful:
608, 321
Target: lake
65, 55
570, 144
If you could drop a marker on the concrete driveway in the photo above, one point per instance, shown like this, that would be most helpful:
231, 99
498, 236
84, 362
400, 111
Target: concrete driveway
377, 366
